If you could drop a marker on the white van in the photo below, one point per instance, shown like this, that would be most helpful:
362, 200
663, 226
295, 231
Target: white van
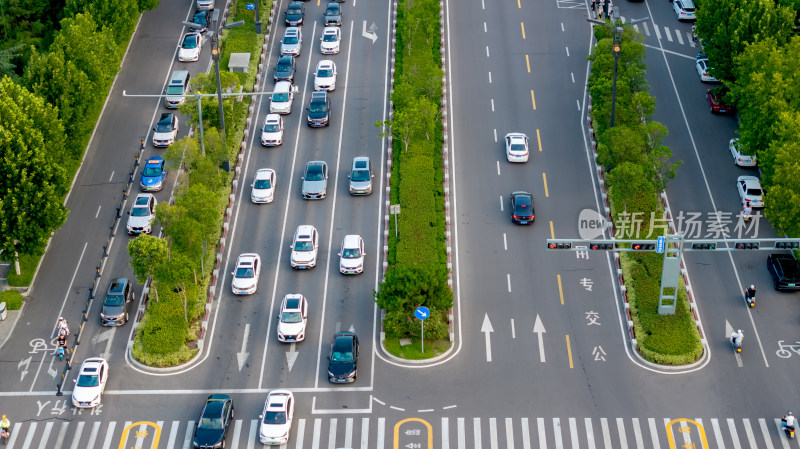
178, 85
282, 98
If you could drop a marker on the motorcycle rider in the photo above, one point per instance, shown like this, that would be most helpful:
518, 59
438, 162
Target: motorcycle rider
63, 326
61, 341
750, 292
747, 211
5, 424
736, 338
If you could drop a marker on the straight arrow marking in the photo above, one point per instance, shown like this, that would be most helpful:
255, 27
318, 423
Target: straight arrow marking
487, 330
291, 355
538, 329
242, 355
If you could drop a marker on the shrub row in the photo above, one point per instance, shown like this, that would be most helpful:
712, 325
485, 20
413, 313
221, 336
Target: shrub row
638, 169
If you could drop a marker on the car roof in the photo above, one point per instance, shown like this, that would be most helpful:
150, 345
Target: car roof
273, 118
319, 96
351, 241
165, 116
360, 162
330, 30
304, 231
282, 86
515, 136
277, 400
332, 5
292, 301
156, 160
750, 181
324, 64
263, 173
291, 30
343, 339
117, 285
521, 192
247, 258
92, 364
314, 163
142, 199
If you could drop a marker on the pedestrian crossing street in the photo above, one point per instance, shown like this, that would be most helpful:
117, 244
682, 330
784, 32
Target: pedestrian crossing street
447, 433
681, 37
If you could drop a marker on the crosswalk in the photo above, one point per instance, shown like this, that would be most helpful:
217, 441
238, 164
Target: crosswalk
681, 37
359, 432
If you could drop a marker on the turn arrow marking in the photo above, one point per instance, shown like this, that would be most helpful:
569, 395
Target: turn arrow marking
487, 330
538, 329
26, 363
242, 355
371, 35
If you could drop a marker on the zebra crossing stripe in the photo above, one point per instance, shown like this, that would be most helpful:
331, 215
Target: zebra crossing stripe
557, 432
734, 435
509, 433
187, 439
77, 438
93, 435
332, 433
651, 422
668, 34
315, 439
646, 28
462, 443
48, 427
29, 436
526, 434
623, 443
637, 433
718, 433
364, 433
606, 434
589, 433
348, 432
237, 433
658, 33
678, 36
61, 435
779, 428
542, 435
301, 430
173, 434
445, 433
381, 430
749, 431
762, 423
251, 439
573, 432
493, 432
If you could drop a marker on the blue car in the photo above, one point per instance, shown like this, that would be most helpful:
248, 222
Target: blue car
153, 174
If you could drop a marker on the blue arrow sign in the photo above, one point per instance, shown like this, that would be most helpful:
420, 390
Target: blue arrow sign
422, 312
660, 244
250, 6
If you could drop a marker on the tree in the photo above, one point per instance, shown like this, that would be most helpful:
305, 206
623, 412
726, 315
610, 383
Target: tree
632, 188
147, 253
119, 16
415, 285
178, 272
782, 195
31, 181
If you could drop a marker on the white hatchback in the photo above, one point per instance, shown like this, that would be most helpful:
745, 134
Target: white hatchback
272, 133
351, 255
282, 98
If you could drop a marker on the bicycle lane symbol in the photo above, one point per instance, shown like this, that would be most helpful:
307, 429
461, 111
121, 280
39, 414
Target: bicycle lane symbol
37, 345
785, 350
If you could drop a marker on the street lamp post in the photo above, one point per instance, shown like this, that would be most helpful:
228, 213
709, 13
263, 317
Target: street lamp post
616, 49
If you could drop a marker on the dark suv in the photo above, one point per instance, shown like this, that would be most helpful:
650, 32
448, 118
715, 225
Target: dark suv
319, 110
785, 271
343, 365
117, 302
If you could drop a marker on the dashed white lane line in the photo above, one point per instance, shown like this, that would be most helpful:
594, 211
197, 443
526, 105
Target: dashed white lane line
112, 176
492, 104
501, 203
490, 77
513, 331
508, 280
498, 168
505, 242
98, 211
567, 51
487, 51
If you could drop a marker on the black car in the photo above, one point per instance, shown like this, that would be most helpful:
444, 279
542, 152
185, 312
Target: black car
333, 15
117, 302
212, 426
284, 70
785, 271
343, 365
522, 208
319, 110
201, 19
294, 14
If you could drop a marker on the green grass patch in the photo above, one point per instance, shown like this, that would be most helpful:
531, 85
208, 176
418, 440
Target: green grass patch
412, 351
27, 266
12, 298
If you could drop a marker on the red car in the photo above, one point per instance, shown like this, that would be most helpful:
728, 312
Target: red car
714, 99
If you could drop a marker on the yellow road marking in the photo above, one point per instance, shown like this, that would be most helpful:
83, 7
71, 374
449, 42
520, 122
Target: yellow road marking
560, 290
687, 430
400, 423
539, 139
519, 5
552, 235
569, 352
533, 100
522, 24
127, 429
528, 63
544, 178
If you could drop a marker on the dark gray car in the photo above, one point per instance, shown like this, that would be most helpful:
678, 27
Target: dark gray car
116, 303
294, 14
284, 70
333, 14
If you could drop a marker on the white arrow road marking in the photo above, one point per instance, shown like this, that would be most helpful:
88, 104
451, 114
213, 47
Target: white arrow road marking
728, 332
291, 356
486, 328
108, 337
371, 34
538, 329
26, 363
50, 369
242, 355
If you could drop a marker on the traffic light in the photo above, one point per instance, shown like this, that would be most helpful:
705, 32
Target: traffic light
643, 246
787, 245
746, 245
704, 245
601, 246
554, 245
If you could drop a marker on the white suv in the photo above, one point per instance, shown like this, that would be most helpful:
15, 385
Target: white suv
293, 318
305, 246
351, 255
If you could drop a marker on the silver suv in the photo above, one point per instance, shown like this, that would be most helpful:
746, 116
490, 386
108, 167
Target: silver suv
315, 181
361, 176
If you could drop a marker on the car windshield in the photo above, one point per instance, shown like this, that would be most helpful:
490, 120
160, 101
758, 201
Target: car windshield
329, 37
190, 41
332, 11
325, 73
303, 246
151, 170
341, 356
262, 184
284, 66
140, 212
280, 97
753, 192
209, 423
275, 418
199, 19
114, 300
244, 272
318, 107
291, 317
314, 172
351, 253
88, 380
360, 175
295, 11
175, 90
272, 128
164, 126
290, 40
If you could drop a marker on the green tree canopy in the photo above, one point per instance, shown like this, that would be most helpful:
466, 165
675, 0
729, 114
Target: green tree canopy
147, 253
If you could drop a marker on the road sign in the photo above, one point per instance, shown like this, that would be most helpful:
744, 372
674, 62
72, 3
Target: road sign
422, 312
660, 244
394, 209
250, 6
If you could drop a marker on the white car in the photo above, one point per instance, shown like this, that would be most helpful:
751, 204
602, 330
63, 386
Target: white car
325, 76
702, 69
330, 42
684, 9
750, 190
246, 274
91, 382
282, 98
517, 147
305, 245
190, 47
263, 187
276, 420
142, 214
205, 5
292, 41
351, 255
272, 133
293, 318
742, 160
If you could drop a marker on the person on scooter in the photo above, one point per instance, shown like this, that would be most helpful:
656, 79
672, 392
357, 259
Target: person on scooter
5, 424
750, 292
736, 338
63, 326
747, 211
788, 419
61, 341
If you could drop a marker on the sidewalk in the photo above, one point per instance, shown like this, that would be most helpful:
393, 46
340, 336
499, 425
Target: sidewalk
7, 325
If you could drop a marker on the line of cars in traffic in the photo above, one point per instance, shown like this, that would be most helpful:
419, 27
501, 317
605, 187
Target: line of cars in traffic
521, 202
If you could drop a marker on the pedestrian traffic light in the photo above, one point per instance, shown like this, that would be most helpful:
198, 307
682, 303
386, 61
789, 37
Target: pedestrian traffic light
553, 245
643, 246
601, 246
787, 245
746, 245
704, 245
